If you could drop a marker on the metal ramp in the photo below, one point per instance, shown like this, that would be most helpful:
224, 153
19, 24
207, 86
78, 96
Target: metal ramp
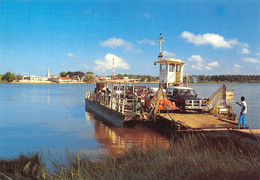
198, 121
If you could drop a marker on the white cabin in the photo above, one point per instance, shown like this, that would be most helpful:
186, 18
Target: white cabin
171, 72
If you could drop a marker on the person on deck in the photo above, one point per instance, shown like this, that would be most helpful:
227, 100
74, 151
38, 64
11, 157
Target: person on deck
136, 95
143, 97
243, 112
138, 107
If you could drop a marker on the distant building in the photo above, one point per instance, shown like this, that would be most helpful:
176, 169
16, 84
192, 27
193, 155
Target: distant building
54, 78
58, 79
103, 78
33, 78
30, 78
64, 79
48, 74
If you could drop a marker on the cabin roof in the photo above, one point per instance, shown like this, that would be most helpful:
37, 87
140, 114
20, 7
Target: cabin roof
171, 60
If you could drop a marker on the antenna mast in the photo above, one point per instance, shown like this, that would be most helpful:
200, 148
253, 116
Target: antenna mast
160, 56
113, 72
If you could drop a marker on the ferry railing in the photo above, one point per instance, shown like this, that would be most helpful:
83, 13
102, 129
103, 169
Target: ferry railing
110, 101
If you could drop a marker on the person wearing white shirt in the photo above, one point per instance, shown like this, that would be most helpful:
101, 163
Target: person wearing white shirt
243, 112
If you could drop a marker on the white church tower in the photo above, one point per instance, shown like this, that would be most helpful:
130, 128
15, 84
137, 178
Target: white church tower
48, 74
171, 69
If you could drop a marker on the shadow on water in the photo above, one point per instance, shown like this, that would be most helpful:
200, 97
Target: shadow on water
115, 140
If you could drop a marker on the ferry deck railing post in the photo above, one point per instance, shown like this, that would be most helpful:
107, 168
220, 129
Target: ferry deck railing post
123, 106
110, 101
133, 97
119, 102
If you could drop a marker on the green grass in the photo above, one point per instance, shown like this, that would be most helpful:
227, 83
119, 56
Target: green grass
186, 157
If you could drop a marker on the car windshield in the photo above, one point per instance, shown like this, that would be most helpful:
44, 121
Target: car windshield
187, 92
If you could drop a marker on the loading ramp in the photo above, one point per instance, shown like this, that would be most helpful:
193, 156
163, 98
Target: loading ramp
198, 121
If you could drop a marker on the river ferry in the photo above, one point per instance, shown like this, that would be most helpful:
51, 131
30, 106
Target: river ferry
122, 101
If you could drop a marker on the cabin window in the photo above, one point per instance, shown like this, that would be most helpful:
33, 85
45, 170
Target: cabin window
162, 67
171, 67
178, 68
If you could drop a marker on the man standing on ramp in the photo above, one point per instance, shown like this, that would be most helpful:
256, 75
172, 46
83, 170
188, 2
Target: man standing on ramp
243, 112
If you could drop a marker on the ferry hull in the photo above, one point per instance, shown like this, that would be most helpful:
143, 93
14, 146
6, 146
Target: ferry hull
109, 115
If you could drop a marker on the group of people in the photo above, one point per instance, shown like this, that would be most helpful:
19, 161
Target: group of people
140, 96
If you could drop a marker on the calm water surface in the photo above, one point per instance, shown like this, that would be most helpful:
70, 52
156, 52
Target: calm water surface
52, 117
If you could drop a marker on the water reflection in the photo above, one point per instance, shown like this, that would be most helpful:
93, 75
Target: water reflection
114, 140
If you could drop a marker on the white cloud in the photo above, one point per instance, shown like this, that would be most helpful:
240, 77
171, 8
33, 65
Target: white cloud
257, 54
215, 40
199, 63
198, 66
116, 42
236, 69
250, 60
168, 54
196, 58
107, 63
208, 68
147, 41
245, 51
120, 43
214, 64
70, 54
237, 66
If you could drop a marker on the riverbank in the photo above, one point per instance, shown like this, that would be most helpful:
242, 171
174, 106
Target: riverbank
50, 82
153, 82
47, 82
185, 157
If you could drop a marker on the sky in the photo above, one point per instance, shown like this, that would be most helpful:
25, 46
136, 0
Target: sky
213, 37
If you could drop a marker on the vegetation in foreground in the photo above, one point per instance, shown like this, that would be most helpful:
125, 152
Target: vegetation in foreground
188, 157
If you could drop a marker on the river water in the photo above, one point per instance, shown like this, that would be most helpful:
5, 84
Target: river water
52, 117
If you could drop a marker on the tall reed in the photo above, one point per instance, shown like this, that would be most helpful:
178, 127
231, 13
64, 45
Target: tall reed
186, 157
189, 157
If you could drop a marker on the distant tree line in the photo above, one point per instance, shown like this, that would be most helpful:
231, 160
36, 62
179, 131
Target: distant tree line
89, 77
9, 77
142, 78
86, 77
226, 78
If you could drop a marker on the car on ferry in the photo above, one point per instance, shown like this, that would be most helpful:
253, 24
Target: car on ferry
186, 98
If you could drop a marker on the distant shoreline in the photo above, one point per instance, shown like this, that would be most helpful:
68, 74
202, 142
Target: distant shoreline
47, 82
